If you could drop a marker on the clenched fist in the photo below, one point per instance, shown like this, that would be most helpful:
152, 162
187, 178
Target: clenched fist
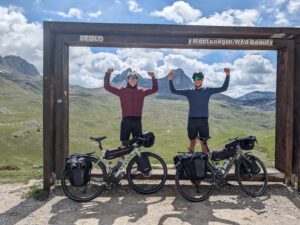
171, 75
110, 70
227, 71
151, 74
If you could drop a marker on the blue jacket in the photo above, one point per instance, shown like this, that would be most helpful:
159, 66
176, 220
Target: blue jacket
199, 98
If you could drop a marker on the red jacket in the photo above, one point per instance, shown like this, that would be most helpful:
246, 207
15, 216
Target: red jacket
132, 99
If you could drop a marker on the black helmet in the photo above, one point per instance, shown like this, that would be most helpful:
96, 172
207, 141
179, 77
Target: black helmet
198, 75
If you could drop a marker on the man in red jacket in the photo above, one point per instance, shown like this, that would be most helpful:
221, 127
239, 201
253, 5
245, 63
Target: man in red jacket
132, 101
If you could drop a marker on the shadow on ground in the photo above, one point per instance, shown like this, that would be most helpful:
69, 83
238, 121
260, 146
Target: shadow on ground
133, 207
123, 205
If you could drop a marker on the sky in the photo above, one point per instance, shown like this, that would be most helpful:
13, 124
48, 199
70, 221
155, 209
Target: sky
21, 33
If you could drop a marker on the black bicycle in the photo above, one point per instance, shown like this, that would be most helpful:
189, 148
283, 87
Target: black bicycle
197, 174
86, 176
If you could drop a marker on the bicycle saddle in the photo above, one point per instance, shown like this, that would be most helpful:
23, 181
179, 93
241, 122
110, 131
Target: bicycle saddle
98, 138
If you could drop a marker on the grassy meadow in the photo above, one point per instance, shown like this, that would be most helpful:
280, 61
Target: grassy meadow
94, 112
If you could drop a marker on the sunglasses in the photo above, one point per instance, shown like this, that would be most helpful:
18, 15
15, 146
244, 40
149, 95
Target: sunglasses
132, 78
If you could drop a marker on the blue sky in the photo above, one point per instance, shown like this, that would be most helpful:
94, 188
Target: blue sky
21, 34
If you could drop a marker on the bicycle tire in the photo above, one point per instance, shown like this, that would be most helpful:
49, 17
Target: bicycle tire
243, 186
67, 188
178, 177
139, 187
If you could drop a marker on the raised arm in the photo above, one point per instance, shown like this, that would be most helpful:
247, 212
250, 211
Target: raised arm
225, 84
107, 85
171, 85
154, 85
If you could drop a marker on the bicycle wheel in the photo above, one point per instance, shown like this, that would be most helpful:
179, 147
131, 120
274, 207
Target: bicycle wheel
89, 191
252, 184
147, 183
195, 190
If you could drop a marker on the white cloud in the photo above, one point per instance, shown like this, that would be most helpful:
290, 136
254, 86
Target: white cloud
183, 13
249, 72
293, 6
96, 14
281, 19
134, 6
180, 12
73, 13
252, 72
231, 17
19, 37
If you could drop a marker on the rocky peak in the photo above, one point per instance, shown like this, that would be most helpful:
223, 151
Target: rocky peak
19, 65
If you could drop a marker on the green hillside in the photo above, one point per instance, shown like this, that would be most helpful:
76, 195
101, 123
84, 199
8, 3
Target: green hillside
95, 112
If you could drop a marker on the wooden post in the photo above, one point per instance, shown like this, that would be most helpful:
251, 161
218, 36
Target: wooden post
296, 142
62, 104
284, 110
48, 108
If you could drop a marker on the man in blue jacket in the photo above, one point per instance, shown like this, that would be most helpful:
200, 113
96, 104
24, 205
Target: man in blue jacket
198, 98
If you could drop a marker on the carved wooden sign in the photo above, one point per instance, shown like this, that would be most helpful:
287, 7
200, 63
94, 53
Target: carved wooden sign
229, 42
91, 38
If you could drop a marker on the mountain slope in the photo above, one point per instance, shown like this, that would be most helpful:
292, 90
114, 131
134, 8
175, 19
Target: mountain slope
18, 65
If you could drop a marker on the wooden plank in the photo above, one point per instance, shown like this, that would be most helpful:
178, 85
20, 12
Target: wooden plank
61, 101
273, 175
296, 137
130, 41
280, 96
284, 110
48, 109
65, 124
289, 119
163, 29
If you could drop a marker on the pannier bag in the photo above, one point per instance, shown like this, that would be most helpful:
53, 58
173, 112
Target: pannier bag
118, 152
247, 143
226, 153
194, 165
144, 164
250, 166
78, 167
149, 139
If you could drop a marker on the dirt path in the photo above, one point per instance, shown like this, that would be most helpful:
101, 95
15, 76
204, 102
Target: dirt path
281, 205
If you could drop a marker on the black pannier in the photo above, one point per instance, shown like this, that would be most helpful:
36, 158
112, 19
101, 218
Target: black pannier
247, 143
78, 167
118, 152
144, 164
149, 139
250, 166
226, 153
194, 165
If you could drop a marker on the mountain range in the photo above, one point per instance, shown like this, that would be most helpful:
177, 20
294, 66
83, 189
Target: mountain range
96, 112
24, 74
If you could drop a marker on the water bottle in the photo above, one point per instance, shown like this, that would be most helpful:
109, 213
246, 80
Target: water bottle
227, 161
119, 163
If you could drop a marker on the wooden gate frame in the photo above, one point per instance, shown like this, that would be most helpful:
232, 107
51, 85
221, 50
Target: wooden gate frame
58, 36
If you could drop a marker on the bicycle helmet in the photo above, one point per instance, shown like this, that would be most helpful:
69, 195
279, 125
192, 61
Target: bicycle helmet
132, 75
198, 75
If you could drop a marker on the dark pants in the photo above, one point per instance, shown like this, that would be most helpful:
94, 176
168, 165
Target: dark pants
198, 127
130, 125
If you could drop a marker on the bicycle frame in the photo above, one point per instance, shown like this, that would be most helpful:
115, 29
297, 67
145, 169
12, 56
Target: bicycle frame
127, 159
236, 157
